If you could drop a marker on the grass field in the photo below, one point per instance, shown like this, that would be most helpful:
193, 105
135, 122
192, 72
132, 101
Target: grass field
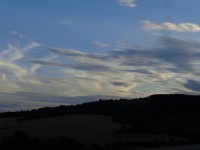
83, 128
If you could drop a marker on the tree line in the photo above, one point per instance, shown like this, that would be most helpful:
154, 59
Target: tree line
157, 114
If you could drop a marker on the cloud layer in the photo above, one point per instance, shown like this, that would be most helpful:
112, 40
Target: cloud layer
182, 27
169, 62
170, 66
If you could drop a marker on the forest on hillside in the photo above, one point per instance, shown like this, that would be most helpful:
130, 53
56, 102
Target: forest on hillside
176, 115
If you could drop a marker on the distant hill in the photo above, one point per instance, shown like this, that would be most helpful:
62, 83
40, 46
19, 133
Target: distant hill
165, 104
174, 115
27, 101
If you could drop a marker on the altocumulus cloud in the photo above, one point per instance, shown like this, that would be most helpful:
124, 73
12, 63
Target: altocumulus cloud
182, 27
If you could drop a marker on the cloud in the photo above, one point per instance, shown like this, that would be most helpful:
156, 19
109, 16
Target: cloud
127, 3
134, 68
182, 27
181, 54
10, 56
81, 57
68, 68
186, 91
77, 54
13, 69
193, 85
17, 34
121, 83
47, 63
153, 74
169, 54
14, 73
68, 53
100, 44
14, 53
88, 79
77, 66
131, 92
27, 100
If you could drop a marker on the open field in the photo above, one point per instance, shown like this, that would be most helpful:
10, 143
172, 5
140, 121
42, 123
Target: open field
83, 128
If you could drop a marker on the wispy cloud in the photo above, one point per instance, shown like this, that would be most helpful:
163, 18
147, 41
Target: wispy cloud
17, 34
77, 66
13, 72
80, 56
127, 3
182, 27
65, 23
11, 55
101, 44
67, 52
158, 64
170, 54
116, 72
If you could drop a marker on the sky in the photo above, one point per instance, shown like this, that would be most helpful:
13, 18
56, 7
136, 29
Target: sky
56, 49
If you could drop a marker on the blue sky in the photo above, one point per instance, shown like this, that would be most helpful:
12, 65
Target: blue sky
123, 48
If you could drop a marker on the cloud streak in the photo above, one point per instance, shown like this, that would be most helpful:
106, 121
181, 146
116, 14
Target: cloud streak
127, 3
100, 44
182, 27
77, 66
130, 69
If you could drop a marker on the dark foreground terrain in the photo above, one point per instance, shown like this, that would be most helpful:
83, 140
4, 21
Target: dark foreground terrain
155, 121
